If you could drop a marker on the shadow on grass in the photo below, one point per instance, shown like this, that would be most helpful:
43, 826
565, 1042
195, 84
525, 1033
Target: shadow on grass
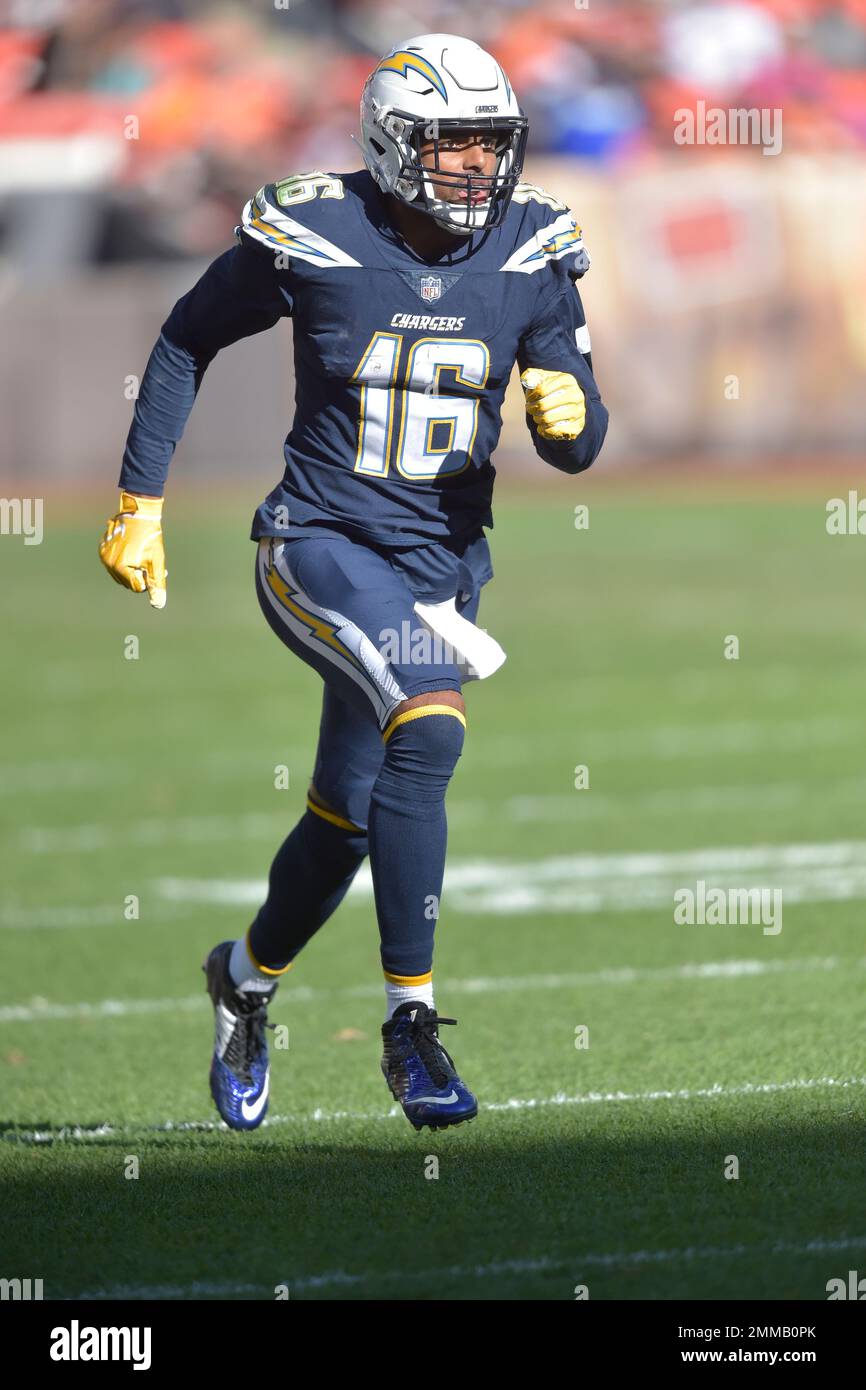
510, 1215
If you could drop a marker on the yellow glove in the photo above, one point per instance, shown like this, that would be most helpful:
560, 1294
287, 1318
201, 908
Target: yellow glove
555, 402
132, 550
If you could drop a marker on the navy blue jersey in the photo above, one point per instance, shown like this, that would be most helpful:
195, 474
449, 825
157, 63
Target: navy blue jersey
401, 362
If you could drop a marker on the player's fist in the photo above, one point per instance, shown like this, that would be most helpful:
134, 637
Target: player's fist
555, 402
132, 549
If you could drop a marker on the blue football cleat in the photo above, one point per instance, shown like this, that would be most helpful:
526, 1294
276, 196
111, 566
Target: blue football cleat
239, 1070
419, 1072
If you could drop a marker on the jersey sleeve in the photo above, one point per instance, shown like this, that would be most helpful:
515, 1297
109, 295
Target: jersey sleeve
241, 293
558, 340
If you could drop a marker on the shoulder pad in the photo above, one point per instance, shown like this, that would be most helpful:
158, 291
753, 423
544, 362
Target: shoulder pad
270, 218
549, 232
533, 193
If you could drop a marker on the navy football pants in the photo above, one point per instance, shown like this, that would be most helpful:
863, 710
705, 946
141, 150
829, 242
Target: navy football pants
345, 611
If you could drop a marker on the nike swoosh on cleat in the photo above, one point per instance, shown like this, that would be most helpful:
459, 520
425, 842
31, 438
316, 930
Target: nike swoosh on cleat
436, 1100
251, 1111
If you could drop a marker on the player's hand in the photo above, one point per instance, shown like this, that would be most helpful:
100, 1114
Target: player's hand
555, 402
132, 549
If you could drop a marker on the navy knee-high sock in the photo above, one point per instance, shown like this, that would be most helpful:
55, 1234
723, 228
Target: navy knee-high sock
309, 878
407, 833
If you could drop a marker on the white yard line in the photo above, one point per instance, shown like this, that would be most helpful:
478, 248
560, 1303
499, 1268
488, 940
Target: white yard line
574, 1264
44, 1011
497, 889
832, 871
592, 883
512, 1106
588, 883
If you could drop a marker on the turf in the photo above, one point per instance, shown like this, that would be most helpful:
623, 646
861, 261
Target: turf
119, 775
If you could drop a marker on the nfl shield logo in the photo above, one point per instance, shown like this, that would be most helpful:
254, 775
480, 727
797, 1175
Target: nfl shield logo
431, 288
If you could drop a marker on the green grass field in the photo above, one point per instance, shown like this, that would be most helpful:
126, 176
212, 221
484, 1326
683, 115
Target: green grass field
601, 1166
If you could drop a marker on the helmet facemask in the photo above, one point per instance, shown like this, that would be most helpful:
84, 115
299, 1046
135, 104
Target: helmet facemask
414, 182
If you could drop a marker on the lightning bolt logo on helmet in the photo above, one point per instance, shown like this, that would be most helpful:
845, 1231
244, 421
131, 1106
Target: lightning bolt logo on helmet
402, 62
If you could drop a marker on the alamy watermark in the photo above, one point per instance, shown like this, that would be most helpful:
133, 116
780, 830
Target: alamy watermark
77, 1343
852, 1288
713, 125
22, 516
846, 517
719, 907
18, 1290
411, 645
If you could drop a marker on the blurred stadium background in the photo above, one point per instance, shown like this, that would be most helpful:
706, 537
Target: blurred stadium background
707, 261
726, 305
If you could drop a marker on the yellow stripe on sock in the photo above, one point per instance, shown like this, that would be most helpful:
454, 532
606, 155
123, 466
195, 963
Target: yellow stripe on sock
265, 969
408, 979
418, 713
330, 816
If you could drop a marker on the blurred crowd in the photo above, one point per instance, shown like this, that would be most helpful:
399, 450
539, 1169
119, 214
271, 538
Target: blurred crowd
148, 123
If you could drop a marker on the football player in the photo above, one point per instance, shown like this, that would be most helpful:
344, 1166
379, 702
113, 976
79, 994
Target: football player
413, 285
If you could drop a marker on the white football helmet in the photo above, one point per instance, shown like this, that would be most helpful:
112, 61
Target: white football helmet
423, 90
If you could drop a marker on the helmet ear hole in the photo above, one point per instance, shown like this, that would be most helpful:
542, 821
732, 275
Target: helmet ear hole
396, 127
